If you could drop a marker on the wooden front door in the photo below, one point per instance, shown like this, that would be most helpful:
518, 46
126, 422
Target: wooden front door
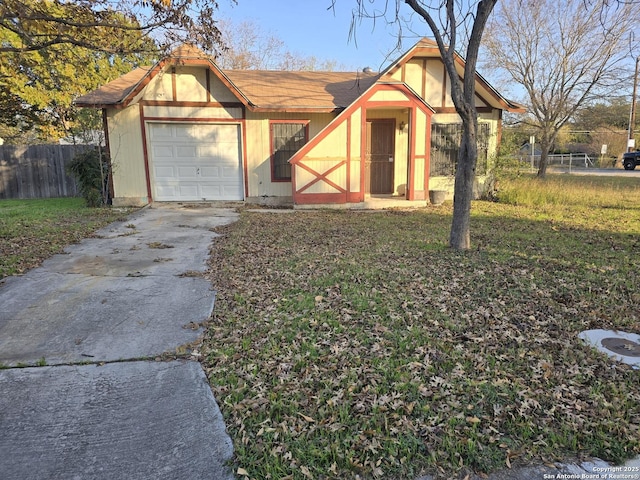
379, 160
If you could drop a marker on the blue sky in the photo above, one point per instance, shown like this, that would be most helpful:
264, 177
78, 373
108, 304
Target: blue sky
308, 28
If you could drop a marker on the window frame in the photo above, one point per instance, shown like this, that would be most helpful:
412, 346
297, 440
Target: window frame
272, 151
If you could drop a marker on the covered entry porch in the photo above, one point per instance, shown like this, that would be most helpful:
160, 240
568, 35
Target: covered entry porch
375, 150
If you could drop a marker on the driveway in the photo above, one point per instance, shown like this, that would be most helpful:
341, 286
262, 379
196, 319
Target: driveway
598, 172
93, 399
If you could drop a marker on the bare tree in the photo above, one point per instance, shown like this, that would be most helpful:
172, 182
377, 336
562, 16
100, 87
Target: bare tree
564, 55
248, 47
453, 24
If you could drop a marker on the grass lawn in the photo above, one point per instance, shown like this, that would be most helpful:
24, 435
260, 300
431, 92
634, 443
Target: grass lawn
33, 230
350, 344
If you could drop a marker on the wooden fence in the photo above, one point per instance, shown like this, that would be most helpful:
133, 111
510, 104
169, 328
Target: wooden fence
37, 171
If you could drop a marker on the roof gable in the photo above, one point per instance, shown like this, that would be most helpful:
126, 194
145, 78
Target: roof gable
273, 91
427, 48
258, 90
384, 84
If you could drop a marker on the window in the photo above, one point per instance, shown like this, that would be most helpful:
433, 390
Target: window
445, 143
286, 139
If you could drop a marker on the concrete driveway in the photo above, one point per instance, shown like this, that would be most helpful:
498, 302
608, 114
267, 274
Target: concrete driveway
92, 402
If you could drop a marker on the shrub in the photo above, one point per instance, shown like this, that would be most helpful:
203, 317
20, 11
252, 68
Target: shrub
91, 170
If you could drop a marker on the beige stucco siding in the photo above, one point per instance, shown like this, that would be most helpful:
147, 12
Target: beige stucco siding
356, 145
127, 156
388, 96
331, 151
434, 75
160, 88
190, 86
420, 170
217, 113
426, 76
258, 140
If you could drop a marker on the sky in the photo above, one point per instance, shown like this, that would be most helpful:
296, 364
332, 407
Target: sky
311, 28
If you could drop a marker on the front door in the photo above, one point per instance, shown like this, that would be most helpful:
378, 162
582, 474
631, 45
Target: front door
379, 160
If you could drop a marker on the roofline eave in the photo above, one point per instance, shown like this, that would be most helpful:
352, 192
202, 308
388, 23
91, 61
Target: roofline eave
294, 109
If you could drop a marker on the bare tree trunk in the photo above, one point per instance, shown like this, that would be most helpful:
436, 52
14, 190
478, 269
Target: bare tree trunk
545, 147
460, 238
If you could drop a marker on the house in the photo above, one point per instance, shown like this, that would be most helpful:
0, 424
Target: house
185, 130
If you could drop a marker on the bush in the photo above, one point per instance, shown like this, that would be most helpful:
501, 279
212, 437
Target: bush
90, 169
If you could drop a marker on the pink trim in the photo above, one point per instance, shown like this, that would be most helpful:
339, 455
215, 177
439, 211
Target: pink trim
271, 152
145, 153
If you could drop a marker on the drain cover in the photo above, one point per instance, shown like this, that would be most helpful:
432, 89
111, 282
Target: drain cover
621, 346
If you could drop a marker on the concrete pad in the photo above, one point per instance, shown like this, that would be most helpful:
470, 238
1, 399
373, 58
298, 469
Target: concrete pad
126, 294
79, 318
133, 420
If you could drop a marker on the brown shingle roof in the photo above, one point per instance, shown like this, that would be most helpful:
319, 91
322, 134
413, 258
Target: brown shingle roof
270, 90
264, 90
113, 92
274, 90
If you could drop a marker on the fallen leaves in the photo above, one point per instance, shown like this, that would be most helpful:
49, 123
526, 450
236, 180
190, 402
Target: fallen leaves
344, 345
33, 230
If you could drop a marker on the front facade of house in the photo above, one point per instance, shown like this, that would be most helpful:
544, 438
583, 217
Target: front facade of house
184, 130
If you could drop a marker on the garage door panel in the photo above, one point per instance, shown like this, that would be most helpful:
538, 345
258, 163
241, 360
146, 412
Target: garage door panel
208, 151
196, 162
161, 132
187, 172
166, 172
168, 191
163, 151
185, 131
186, 151
228, 172
208, 173
189, 191
211, 191
228, 134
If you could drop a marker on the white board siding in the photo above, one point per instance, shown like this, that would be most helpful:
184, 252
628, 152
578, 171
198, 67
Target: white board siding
191, 161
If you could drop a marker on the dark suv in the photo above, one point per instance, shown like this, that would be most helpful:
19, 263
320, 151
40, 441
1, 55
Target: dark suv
630, 160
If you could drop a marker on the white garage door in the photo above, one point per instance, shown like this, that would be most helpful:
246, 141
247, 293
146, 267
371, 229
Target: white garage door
195, 161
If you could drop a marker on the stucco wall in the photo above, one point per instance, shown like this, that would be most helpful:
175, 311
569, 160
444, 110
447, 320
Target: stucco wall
258, 144
127, 156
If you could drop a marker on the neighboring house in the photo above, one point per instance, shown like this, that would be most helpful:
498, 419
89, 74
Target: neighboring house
185, 130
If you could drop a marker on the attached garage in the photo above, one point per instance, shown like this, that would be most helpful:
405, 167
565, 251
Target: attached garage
195, 161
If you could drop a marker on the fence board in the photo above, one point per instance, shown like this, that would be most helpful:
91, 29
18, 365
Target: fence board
37, 171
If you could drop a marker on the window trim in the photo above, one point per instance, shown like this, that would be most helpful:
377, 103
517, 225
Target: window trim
305, 123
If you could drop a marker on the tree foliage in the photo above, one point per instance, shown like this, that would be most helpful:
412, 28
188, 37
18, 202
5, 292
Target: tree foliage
108, 25
37, 88
38, 85
563, 54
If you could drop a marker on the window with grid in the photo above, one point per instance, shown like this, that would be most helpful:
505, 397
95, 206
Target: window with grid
445, 143
286, 139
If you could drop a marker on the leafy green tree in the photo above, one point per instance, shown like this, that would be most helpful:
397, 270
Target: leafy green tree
52, 51
37, 87
108, 25
612, 113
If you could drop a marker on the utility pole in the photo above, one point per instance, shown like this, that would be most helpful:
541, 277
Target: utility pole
632, 116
